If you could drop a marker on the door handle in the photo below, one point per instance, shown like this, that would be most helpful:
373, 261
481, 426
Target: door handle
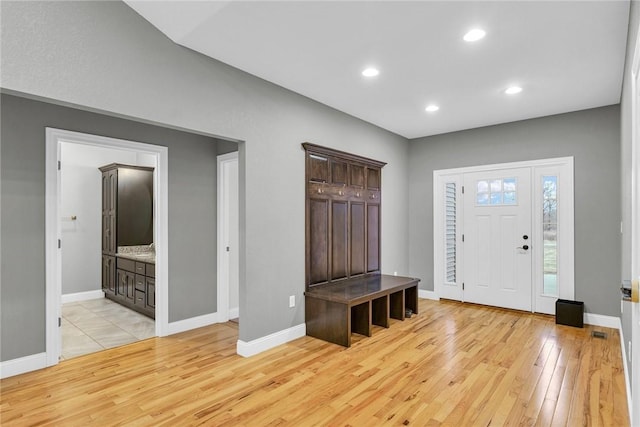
524, 247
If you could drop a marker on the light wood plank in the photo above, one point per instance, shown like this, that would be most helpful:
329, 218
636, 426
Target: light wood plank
452, 365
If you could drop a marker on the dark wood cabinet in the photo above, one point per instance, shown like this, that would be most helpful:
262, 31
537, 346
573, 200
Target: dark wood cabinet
345, 292
127, 206
127, 220
136, 289
343, 215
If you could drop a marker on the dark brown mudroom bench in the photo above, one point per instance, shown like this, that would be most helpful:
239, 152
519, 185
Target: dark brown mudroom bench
335, 310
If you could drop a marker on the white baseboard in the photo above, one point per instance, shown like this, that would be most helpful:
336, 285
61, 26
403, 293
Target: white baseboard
82, 296
192, 323
425, 294
234, 313
602, 320
627, 374
253, 347
21, 365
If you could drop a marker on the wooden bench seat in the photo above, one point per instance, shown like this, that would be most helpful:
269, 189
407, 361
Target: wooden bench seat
335, 310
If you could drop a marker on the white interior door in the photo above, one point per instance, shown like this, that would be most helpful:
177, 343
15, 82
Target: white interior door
497, 238
228, 236
231, 171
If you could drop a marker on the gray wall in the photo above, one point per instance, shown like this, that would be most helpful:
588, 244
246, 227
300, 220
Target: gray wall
192, 214
625, 156
591, 136
103, 56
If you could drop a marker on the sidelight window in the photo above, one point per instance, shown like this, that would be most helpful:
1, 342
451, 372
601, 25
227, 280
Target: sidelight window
550, 234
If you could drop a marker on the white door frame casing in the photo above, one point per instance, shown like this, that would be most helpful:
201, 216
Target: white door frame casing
53, 275
566, 258
223, 265
633, 390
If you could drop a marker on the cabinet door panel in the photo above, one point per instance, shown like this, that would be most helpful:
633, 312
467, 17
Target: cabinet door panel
105, 273
318, 240
373, 237
131, 286
112, 275
121, 276
357, 238
151, 293
357, 176
373, 179
135, 207
112, 187
111, 213
112, 234
106, 223
318, 168
339, 251
339, 172
105, 192
108, 274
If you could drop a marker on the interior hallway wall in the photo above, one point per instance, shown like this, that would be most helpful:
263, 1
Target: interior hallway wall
103, 56
192, 215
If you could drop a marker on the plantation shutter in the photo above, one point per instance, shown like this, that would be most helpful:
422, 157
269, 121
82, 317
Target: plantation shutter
450, 232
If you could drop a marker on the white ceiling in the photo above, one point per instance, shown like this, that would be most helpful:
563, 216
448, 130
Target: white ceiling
566, 56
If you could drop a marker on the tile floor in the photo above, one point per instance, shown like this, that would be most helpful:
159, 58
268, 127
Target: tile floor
98, 324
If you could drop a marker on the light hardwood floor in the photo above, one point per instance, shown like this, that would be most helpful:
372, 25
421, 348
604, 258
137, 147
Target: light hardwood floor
454, 365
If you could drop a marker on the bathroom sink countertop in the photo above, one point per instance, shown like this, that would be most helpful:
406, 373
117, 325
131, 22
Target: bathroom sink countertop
143, 253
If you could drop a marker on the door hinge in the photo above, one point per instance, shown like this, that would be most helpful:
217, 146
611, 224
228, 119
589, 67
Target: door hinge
227, 248
59, 322
59, 243
463, 286
463, 238
463, 189
59, 165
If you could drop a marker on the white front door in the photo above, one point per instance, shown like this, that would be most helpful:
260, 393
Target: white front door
497, 247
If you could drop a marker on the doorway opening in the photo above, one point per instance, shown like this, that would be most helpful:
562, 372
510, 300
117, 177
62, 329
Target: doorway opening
71, 227
503, 234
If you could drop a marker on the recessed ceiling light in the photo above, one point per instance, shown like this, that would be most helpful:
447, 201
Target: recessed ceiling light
431, 108
474, 35
513, 90
370, 72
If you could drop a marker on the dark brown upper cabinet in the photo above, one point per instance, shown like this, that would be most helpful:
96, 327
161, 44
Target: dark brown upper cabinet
373, 179
318, 168
343, 200
339, 172
127, 206
357, 176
